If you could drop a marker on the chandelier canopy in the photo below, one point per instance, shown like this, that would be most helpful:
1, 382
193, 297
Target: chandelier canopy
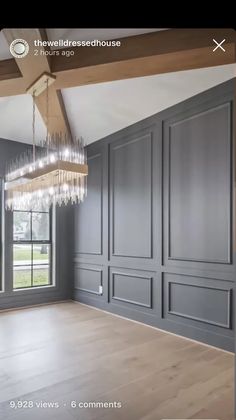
53, 171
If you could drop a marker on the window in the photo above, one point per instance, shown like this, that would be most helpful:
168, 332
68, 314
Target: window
32, 248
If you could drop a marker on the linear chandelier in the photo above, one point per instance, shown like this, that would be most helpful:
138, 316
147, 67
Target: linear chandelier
54, 171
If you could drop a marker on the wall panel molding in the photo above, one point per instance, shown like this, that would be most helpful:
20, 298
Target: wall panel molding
89, 220
88, 279
198, 160
147, 288
131, 197
207, 301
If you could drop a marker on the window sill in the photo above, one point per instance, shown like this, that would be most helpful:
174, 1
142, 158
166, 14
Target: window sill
24, 289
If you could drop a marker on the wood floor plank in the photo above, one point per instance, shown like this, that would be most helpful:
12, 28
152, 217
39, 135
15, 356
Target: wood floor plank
69, 352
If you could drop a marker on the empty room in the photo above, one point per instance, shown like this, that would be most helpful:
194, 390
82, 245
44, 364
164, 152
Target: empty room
117, 223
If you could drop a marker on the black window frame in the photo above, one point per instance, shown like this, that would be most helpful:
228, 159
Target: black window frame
33, 242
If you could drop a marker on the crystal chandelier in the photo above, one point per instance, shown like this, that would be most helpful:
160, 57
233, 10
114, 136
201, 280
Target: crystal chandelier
54, 171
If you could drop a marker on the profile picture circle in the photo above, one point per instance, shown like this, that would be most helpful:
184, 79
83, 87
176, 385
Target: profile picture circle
19, 48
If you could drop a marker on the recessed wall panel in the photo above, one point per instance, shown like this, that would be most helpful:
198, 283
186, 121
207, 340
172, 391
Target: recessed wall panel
198, 299
88, 215
131, 288
199, 225
131, 183
88, 279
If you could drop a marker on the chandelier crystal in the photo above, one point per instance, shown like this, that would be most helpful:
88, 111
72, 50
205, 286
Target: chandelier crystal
54, 171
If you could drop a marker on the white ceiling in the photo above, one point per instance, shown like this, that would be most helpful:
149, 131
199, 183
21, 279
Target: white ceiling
95, 111
16, 119
4, 48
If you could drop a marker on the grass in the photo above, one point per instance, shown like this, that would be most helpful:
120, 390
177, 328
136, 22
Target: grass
22, 278
24, 254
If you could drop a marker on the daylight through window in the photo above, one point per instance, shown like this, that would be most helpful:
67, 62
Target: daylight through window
32, 248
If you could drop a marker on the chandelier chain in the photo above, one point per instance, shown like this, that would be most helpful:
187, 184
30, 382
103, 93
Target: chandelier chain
47, 115
33, 126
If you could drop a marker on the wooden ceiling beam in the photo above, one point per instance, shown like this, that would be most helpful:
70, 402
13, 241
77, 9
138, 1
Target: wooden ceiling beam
9, 69
58, 121
11, 87
31, 67
138, 56
11, 81
143, 55
140, 67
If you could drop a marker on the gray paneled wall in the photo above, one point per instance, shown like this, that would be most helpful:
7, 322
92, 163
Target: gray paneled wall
153, 239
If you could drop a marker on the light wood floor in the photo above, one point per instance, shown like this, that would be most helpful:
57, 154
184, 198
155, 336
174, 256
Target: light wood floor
69, 352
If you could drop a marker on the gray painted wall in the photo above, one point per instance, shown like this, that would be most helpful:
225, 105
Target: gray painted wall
156, 228
64, 246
